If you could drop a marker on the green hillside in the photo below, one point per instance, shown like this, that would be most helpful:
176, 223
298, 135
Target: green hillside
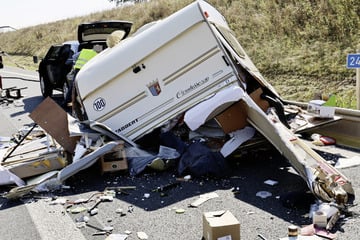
300, 46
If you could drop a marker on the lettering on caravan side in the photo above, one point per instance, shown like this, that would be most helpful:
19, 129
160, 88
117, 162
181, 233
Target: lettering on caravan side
129, 124
192, 87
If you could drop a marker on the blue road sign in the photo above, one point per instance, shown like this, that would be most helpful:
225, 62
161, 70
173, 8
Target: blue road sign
353, 60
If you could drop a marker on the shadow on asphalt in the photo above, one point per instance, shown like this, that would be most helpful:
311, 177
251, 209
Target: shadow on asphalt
32, 102
290, 198
289, 201
250, 168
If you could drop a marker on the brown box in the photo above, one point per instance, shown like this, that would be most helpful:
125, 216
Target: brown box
220, 225
115, 160
235, 117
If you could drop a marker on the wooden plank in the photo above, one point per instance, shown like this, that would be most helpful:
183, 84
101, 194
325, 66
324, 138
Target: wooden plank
53, 119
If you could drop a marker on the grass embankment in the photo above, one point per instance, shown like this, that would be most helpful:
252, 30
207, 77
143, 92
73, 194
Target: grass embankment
299, 46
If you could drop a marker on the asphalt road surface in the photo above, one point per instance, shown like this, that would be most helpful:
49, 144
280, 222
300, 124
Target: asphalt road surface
163, 214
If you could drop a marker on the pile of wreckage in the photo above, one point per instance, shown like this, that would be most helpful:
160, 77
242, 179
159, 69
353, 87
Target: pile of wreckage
194, 107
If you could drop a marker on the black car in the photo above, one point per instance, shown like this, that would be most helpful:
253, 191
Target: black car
58, 61
54, 67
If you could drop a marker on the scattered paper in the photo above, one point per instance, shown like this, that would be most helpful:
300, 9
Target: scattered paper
116, 236
238, 137
271, 182
263, 194
203, 198
142, 235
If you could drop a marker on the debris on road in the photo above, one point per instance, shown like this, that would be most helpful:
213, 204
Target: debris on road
192, 116
258, 108
271, 182
347, 162
203, 198
222, 84
117, 236
263, 194
10, 95
142, 235
220, 225
180, 210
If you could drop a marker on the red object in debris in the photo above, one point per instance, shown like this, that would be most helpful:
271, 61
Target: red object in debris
327, 140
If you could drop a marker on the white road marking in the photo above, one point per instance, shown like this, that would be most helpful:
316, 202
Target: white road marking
52, 222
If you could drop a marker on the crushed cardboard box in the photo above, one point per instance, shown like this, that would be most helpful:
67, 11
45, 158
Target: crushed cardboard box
220, 225
115, 160
319, 108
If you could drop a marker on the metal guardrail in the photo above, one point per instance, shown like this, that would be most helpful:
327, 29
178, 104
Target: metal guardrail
346, 113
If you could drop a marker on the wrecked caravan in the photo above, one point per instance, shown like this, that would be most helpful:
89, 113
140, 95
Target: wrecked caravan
162, 71
182, 63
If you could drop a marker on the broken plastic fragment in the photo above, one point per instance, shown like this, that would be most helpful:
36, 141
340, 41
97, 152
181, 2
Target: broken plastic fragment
83, 218
60, 201
238, 137
80, 224
81, 200
110, 193
180, 210
271, 182
263, 194
187, 177
78, 210
94, 212
107, 198
116, 236
347, 162
203, 198
108, 228
142, 235
80, 150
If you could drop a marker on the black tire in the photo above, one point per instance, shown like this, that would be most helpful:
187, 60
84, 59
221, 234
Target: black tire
45, 87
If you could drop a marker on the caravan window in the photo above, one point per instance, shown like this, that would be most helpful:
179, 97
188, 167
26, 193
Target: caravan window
232, 41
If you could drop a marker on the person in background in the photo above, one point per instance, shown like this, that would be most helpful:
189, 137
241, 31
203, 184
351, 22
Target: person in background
79, 60
113, 39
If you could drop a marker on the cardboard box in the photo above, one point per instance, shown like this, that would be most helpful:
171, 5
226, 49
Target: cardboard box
235, 117
115, 160
220, 225
318, 109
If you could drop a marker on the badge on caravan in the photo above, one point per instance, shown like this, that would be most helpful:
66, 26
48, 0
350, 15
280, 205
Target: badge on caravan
99, 104
154, 87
